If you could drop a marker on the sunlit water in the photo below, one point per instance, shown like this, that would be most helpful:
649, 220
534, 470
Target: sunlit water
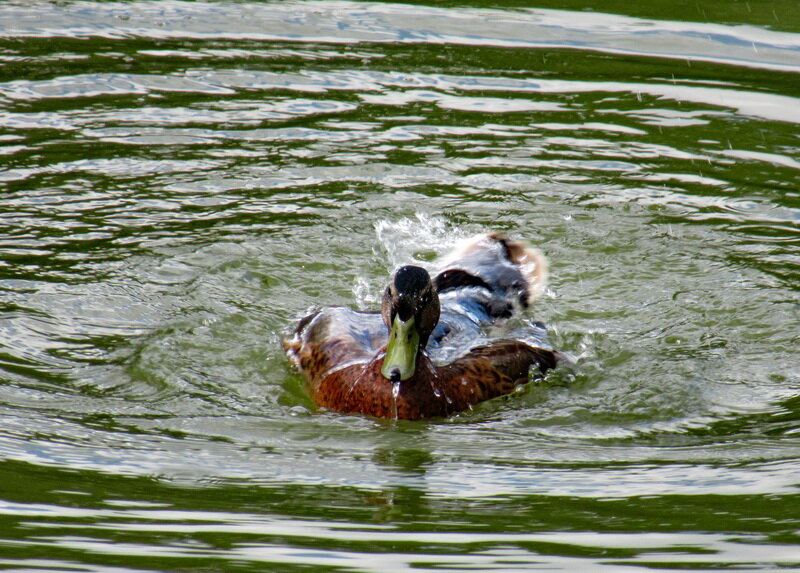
181, 181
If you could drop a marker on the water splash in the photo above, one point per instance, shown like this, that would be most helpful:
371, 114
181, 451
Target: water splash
395, 395
365, 295
401, 240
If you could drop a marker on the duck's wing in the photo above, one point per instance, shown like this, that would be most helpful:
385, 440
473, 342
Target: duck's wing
494, 370
486, 278
332, 338
514, 359
512, 272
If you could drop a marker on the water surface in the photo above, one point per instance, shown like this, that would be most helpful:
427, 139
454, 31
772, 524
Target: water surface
182, 180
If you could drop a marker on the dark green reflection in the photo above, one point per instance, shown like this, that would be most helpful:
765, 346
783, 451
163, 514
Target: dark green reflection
208, 526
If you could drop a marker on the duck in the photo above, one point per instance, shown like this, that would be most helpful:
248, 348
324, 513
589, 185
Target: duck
438, 345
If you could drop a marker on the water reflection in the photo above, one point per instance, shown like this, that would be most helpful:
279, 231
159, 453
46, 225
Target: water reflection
351, 22
758, 104
346, 528
182, 180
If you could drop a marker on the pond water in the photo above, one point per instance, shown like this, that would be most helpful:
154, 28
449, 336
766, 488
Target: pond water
182, 180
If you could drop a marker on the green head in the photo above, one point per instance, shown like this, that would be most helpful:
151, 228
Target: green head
410, 310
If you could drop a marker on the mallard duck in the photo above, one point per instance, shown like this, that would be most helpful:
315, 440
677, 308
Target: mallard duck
428, 352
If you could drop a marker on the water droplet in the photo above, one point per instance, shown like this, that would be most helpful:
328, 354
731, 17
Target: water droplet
395, 394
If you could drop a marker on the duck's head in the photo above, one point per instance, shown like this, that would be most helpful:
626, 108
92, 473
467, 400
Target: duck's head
410, 310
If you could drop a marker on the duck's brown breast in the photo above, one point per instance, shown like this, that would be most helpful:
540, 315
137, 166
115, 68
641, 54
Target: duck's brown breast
362, 388
431, 392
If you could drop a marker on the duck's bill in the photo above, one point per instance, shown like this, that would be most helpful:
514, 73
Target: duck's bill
401, 352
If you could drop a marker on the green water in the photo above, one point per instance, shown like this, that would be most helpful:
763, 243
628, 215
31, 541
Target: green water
181, 181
